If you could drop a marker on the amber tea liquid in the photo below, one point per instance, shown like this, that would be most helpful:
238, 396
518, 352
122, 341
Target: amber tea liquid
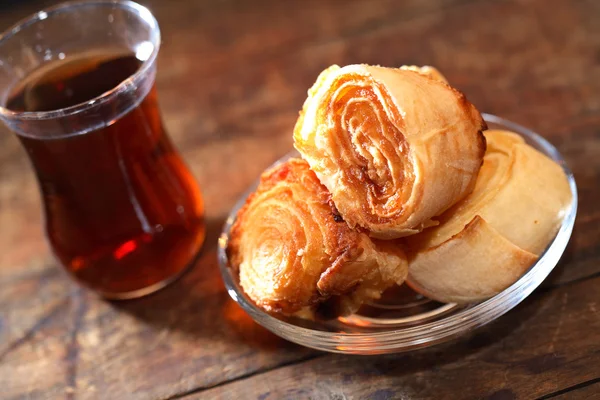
123, 212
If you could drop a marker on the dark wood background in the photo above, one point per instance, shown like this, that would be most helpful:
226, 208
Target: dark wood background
232, 77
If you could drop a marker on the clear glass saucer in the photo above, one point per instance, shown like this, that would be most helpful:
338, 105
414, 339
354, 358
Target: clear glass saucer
403, 320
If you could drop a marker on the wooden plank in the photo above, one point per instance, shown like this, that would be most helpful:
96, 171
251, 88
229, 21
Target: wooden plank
188, 335
274, 90
520, 64
550, 342
585, 391
232, 76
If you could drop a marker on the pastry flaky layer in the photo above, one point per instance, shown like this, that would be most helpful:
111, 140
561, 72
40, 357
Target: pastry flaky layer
394, 146
293, 250
487, 241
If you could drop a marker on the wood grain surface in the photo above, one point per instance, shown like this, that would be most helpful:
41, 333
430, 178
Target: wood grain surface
232, 76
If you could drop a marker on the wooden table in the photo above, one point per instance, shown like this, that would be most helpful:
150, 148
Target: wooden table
232, 77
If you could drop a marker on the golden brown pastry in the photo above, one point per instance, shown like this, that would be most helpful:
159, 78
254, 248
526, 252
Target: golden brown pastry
293, 250
487, 241
395, 147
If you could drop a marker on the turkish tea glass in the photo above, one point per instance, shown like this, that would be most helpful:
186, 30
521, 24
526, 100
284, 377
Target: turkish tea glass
123, 213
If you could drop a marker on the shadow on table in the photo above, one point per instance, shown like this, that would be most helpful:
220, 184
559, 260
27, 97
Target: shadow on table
198, 304
485, 344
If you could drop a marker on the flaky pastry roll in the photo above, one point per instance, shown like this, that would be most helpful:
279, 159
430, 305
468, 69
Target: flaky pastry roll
395, 147
293, 250
488, 241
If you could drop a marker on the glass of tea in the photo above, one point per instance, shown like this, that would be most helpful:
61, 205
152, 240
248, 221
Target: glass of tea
123, 213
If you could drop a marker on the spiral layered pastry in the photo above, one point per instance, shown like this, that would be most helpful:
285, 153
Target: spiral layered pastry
293, 250
487, 241
395, 147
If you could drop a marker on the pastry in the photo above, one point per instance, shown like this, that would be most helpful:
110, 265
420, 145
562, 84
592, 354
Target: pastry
487, 241
394, 146
293, 250
394, 160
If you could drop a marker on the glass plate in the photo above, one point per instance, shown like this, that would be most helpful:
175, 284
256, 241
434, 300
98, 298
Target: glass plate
403, 320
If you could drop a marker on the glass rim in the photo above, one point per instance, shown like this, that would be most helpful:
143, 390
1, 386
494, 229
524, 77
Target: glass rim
401, 339
137, 9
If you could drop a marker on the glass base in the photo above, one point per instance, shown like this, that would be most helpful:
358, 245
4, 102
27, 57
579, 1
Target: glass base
136, 294
181, 263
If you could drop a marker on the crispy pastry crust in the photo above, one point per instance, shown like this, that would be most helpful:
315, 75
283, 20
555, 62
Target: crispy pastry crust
293, 250
395, 147
487, 241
